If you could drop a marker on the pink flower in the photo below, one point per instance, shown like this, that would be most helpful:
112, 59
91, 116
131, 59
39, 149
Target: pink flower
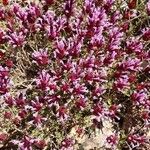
22, 114
40, 144
130, 64
89, 75
91, 56
41, 57
99, 90
9, 100
98, 110
33, 12
43, 80
68, 8
37, 120
16, 39
37, 106
139, 98
21, 14
122, 83
62, 113
134, 46
113, 110
146, 117
81, 103
2, 13
98, 113
65, 87
67, 144
24, 144
3, 137
2, 36
79, 89
4, 72
146, 34
61, 49
4, 80
116, 16
20, 101
9, 63
112, 141
7, 115
67, 66
52, 26
136, 140
97, 40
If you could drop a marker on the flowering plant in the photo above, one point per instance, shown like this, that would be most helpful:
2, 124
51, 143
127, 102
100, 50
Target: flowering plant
74, 64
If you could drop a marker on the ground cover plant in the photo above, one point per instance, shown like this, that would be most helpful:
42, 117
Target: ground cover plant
74, 64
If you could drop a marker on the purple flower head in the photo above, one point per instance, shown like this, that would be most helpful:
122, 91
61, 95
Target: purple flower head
62, 113
16, 39
40, 143
43, 80
68, 8
136, 140
20, 100
53, 100
67, 144
41, 57
24, 144
65, 87
146, 34
134, 46
16, 8
97, 110
9, 100
52, 25
79, 89
21, 14
81, 103
97, 18
4, 80
98, 113
99, 90
67, 65
4, 72
37, 105
140, 97
33, 12
2, 36
110, 57
97, 40
116, 16
37, 120
2, 13
113, 110
146, 117
131, 64
112, 141
61, 49
74, 46
22, 114
122, 83
115, 38
93, 62
88, 4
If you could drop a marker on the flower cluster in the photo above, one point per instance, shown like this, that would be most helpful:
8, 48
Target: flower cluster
83, 63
